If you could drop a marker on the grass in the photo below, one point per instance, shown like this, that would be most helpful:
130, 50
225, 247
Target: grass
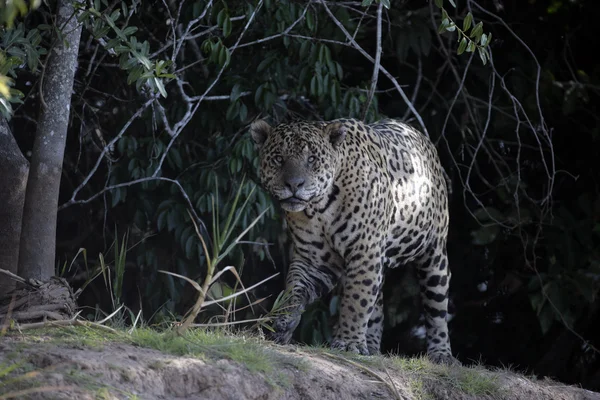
423, 374
471, 380
197, 343
422, 378
418, 390
206, 344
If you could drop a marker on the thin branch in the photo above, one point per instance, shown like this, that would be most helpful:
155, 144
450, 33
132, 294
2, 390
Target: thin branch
13, 276
413, 99
105, 150
284, 33
381, 68
550, 170
376, 64
182, 123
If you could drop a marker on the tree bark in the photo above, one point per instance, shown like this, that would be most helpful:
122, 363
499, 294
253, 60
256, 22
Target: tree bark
38, 237
13, 180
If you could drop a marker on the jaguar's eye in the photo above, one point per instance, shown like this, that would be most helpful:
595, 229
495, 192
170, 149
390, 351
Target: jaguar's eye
279, 159
312, 159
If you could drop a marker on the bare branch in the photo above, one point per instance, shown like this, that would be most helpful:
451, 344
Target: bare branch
105, 150
417, 85
376, 65
284, 33
381, 68
178, 127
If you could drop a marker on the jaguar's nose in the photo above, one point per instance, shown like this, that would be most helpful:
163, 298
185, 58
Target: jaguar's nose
294, 183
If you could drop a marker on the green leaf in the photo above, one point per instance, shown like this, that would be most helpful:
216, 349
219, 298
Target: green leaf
222, 55
175, 158
303, 74
484, 39
235, 92
443, 25
115, 15
471, 46
206, 46
214, 53
310, 21
462, 46
334, 94
452, 2
439, 3
483, 54
320, 86
327, 55
265, 63
134, 74
451, 27
189, 247
221, 16
477, 31
488, 40
259, 94
232, 111
115, 196
304, 47
367, 3
128, 63
386, 3
313, 86
467, 22
243, 112
32, 59
340, 72
227, 26
130, 30
112, 43
160, 86
322, 53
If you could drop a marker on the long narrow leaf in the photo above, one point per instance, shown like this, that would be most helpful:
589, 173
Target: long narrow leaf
255, 302
191, 281
235, 273
241, 235
230, 323
215, 223
80, 251
137, 318
204, 247
236, 294
228, 227
111, 315
239, 214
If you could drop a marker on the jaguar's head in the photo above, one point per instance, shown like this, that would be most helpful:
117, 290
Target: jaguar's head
298, 160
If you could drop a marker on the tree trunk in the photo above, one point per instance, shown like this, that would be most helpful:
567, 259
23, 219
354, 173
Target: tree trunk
38, 238
13, 180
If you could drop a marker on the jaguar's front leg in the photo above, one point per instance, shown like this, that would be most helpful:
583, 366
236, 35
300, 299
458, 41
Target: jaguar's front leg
305, 284
362, 283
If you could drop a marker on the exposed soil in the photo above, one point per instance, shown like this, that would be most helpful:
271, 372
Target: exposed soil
115, 370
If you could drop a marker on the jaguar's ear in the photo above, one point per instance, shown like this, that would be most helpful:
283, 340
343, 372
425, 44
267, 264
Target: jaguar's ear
336, 132
260, 131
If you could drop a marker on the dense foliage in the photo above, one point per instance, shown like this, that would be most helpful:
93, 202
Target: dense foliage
163, 96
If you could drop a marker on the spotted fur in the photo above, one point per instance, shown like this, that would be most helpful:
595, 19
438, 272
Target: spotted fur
359, 198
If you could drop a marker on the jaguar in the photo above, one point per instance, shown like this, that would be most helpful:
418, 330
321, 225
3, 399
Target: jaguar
359, 198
